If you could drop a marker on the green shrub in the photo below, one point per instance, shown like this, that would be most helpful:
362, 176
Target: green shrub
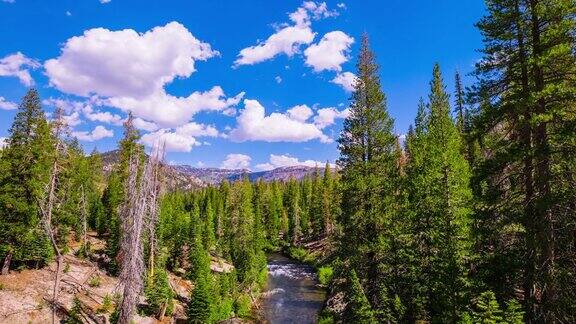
200, 306
94, 281
300, 254
325, 275
243, 306
107, 305
224, 309
75, 314
66, 268
159, 293
326, 318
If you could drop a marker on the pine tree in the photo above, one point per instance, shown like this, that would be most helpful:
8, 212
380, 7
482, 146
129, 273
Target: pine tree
487, 309
242, 230
292, 203
328, 195
369, 180
316, 203
25, 164
159, 294
525, 98
459, 104
306, 198
439, 197
199, 306
358, 309
513, 313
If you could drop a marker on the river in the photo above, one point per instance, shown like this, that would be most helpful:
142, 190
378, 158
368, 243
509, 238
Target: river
292, 293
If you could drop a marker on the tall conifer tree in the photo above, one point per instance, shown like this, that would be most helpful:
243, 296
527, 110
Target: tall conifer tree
369, 178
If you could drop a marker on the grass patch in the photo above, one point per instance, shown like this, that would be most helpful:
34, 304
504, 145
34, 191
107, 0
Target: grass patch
325, 275
300, 254
243, 306
94, 281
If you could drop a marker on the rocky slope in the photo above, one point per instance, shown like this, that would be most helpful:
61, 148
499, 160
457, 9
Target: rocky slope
186, 177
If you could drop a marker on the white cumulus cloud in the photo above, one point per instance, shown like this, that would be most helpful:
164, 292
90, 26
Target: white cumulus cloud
129, 70
7, 105
3, 142
145, 125
85, 108
126, 63
300, 113
236, 161
327, 116
330, 52
289, 38
181, 139
347, 80
19, 66
254, 125
170, 111
285, 160
98, 133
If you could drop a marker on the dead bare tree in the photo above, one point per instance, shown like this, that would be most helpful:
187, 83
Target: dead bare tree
138, 214
154, 188
84, 211
49, 200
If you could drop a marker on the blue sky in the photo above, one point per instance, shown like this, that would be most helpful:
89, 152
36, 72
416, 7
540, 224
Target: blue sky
226, 83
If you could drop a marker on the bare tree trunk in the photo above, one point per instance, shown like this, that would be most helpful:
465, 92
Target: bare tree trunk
47, 204
84, 221
47, 212
139, 212
6, 265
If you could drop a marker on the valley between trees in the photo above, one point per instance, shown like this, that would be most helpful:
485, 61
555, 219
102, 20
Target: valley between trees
471, 218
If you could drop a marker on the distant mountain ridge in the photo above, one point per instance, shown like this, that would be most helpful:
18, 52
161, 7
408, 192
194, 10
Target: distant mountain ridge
186, 177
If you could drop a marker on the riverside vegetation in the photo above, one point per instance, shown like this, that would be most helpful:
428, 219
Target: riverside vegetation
470, 219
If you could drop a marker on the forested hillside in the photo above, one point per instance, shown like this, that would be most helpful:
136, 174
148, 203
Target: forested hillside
468, 218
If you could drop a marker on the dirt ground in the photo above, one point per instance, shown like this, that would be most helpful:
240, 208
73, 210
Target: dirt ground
25, 295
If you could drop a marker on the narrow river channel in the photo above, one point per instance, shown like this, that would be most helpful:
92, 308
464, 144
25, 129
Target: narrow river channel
292, 294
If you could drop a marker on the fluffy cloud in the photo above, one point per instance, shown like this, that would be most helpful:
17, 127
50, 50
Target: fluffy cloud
346, 80
105, 1
181, 139
254, 125
3, 142
327, 116
86, 108
170, 111
278, 161
300, 113
7, 105
319, 10
126, 63
145, 125
330, 52
129, 70
278, 79
73, 119
103, 117
98, 133
289, 38
236, 161
18, 65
